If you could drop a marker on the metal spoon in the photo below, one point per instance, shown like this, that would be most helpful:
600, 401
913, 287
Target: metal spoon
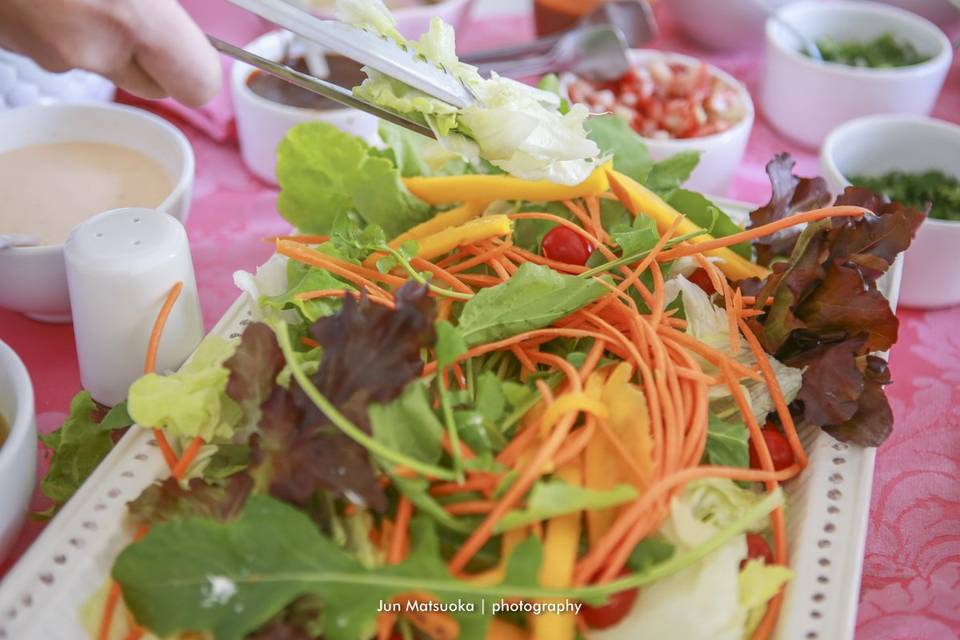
807, 44
593, 52
10, 240
633, 17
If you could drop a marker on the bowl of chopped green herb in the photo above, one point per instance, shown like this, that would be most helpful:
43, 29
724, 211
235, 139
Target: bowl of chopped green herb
914, 160
876, 59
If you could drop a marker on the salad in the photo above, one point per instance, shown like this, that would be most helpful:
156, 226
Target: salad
474, 405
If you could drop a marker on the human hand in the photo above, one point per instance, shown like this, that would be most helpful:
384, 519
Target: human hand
151, 48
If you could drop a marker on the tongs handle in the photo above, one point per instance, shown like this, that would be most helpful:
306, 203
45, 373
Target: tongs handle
377, 52
316, 85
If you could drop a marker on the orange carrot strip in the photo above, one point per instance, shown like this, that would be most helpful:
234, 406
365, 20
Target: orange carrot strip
398, 543
187, 458
469, 507
764, 230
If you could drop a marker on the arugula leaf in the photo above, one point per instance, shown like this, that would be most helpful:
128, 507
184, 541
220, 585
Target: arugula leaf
551, 498
533, 298
650, 552
79, 445
324, 172
642, 235
305, 278
408, 424
230, 578
667, 175
616, 138
727, 443
709, 216
450, 344
117, 418
491, 400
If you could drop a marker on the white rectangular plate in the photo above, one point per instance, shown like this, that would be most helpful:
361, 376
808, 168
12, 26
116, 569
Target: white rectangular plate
827, 514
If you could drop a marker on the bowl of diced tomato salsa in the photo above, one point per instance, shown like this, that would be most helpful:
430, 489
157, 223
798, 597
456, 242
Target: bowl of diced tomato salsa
677, 103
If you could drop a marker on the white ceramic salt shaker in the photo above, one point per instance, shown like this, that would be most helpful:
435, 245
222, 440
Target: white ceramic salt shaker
121, 265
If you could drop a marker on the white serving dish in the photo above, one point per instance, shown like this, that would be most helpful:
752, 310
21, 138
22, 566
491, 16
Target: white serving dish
721, 153
18, 455
33, 280
731, 25
878, 144
262, 123
827, 507
805, 99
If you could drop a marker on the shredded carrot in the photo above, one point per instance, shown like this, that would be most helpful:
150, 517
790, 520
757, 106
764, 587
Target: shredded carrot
398, 543
764, 230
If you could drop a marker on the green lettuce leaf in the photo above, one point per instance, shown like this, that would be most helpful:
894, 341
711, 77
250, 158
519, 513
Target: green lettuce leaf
324, 172
533, 298
193, 401
666, 176
79, 445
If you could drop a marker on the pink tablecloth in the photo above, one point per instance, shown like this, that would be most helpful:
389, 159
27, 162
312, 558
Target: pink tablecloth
911, 582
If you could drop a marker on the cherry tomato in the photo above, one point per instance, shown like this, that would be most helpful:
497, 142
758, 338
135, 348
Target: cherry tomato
702, 280
757, 547
617, 607
779, 447
567, 246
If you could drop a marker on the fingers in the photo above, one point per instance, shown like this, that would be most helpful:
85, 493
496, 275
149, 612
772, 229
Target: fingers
175, 53
134, 79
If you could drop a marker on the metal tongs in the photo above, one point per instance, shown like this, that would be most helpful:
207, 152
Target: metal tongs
370, 49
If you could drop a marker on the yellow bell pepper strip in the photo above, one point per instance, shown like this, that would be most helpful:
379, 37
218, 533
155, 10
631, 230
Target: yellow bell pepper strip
501, 630
438, 190
629, 422
560, 544
452, 218
445, 241
638, 199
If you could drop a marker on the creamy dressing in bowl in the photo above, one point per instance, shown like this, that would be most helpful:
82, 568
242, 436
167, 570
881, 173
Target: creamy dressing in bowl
47, 189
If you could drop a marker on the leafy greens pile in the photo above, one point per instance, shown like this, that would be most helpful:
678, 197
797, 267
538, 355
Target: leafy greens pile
828, 315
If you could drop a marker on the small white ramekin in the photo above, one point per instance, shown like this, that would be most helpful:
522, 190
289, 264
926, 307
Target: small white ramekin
727, 25
875, 145
33, 280
18, 455
804, 99
720, 153
263, 123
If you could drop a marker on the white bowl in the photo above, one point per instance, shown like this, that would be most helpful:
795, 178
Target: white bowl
18, 455
877, 144
262, 123
33, 280
944, 13
720, 153
727, 25
804, 99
